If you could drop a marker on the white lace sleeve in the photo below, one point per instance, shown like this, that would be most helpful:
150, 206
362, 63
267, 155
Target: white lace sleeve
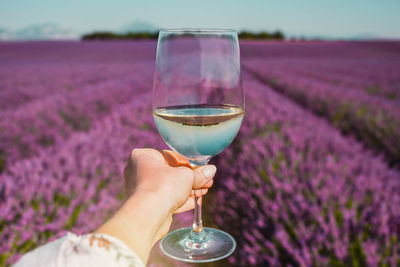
91, 250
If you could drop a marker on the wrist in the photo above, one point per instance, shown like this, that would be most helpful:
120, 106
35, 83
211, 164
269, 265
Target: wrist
139, 221
163, 198
149, 207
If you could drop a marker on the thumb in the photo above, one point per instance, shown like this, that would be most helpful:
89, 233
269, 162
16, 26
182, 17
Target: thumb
203, 175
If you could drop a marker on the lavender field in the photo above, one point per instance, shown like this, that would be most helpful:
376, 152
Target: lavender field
313, 178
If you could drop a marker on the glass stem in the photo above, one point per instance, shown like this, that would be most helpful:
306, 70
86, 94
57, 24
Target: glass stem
197, 234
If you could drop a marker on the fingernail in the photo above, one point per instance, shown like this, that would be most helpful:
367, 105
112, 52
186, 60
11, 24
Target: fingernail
209, 171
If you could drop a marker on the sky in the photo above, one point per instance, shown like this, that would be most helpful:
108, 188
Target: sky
328, 18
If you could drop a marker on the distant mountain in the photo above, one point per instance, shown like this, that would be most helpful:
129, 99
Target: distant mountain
139, 26
369, 36
356, 37
43, 31
364, 36
5, 34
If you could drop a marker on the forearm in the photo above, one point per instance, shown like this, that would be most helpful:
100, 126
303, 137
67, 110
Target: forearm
139, 222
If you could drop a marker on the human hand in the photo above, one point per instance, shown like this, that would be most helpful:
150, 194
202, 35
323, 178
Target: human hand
150, 171
155, 190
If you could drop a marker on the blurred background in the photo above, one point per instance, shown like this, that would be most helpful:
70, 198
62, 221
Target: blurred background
355, 20
316, 161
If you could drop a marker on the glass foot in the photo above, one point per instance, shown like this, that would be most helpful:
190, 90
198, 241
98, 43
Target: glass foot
214, 245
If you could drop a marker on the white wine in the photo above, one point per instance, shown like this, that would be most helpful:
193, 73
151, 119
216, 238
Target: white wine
198, 131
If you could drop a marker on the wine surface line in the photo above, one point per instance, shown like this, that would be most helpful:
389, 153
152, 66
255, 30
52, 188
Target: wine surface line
198, 130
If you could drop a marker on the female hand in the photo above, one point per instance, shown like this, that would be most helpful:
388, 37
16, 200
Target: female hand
156, 190
150, 171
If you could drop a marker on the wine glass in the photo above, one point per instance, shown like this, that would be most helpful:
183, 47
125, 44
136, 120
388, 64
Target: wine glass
198, 106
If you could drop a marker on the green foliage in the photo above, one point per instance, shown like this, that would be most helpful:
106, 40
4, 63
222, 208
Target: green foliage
338, 216
366, 232
2, 161
335, 262
35, 205
73, 218
277, 35
116, 36
273, 81
373, 90
3, 224
27, 245
102, 107
145, 126
349, 203
61, 200
276, 162
292, 233
357, 254
121, 196
99, 170
101, 185
362, 111
376, 90
264, 175
342, 116
46, 140
391, 95
262, 35
285, 258
78, 122
3, 258
376, 128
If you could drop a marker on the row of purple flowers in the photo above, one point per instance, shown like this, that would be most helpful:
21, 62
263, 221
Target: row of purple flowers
74, 185
51, 116
373, 119
293, 190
